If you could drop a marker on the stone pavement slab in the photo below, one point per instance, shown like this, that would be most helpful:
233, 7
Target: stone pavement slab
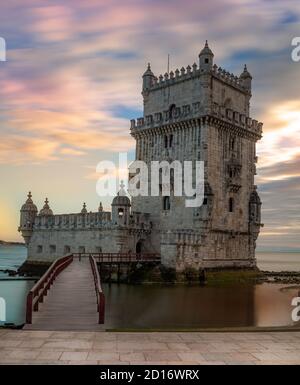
115, 348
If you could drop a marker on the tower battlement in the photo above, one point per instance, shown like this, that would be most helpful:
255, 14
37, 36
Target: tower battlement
195, 91
189, 73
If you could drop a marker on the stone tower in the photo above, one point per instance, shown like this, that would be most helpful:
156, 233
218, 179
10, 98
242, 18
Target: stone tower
202, 113
28, 214
121, 208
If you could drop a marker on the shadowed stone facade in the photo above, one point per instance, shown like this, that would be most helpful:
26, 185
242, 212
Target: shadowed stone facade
198, 113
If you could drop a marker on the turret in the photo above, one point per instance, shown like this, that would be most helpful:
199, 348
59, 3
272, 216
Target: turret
246, 79
148, 78
121, 208
46, 210
254, 213
28, 214
206, 59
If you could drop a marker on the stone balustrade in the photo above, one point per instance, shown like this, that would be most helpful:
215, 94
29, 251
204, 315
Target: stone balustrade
87, 221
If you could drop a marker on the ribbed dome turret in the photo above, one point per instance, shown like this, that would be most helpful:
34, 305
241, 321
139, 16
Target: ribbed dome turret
121, 199
46, 210
148, 71
29, 205
206, 50
245, 74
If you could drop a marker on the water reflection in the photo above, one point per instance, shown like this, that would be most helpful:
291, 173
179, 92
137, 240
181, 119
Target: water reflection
166, 307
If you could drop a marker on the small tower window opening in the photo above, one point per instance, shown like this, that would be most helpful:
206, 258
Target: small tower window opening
232, 144
172, 111
166, 141
206, 61
120, 213
52, 249
67, 249
231, 205
171, 141
166, 203
205, 201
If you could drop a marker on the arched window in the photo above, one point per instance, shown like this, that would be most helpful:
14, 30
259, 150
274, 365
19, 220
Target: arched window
166, 203
172, 111
231, 205
120, 213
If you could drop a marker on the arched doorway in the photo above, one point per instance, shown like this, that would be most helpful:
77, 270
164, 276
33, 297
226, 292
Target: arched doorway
138, 248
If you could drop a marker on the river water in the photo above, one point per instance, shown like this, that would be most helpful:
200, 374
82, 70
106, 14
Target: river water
171, 307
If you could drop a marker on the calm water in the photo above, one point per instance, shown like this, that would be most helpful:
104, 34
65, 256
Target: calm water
278, 261
194, 306
11, 257
175, 306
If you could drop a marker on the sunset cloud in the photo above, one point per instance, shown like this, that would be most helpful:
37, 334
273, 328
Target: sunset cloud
72, 80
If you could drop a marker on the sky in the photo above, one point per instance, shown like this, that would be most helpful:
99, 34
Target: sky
72, 81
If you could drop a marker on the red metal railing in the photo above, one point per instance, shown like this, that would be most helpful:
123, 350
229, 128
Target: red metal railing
40, 289
99, 293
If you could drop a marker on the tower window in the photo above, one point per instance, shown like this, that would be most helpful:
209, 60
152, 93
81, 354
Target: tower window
172, 111
67, 249
231, 205
166, 141
232, 144
166, 203
205, 201
52, 249
121, 213
171, 141
206, 61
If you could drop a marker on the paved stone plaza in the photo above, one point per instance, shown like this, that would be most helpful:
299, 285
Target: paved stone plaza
46, 347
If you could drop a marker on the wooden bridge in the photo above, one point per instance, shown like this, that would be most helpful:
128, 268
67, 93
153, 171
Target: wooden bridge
69, 295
